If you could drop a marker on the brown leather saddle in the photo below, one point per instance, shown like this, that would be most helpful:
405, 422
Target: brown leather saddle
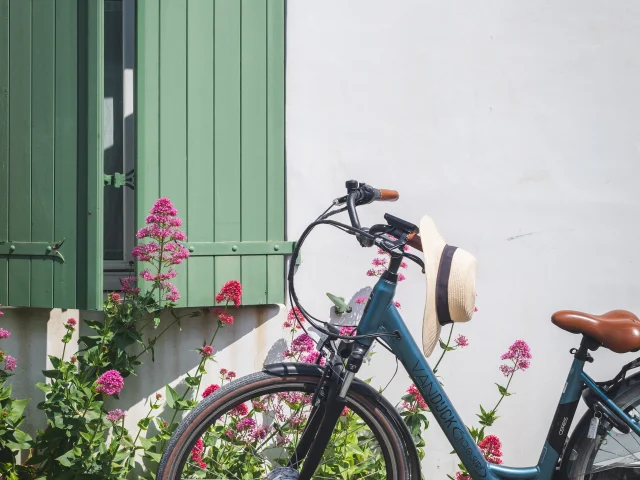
618, 330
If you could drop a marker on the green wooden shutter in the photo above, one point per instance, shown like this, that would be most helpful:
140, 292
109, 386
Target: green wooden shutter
210, 136
51, 153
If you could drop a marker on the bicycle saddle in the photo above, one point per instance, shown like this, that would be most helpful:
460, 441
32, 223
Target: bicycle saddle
618, 330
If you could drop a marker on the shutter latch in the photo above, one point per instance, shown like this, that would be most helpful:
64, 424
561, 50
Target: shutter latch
31, 249
118, 180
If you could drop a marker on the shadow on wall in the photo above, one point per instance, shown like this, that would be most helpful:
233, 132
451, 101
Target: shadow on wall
35, 333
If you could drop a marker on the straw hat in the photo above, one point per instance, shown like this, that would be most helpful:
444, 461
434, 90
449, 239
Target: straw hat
451, 284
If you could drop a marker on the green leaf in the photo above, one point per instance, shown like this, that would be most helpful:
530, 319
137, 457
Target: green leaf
172, 396
445, 347
17, 408
55, 361
22, 440
41, 386
153, 456
503, 391
144, 423
193, 381
156, 322
51, 373
94, 324
66, 459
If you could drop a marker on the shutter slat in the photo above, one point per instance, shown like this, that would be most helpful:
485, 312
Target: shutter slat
227, 135
275, 144
173, 116
42, 149
4, 146
66, 153
200, 146
254, 147
20, 147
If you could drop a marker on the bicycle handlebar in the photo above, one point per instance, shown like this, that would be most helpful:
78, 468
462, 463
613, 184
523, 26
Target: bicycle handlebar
414, 240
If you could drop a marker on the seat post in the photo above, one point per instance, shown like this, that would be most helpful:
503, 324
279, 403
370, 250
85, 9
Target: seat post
586, 344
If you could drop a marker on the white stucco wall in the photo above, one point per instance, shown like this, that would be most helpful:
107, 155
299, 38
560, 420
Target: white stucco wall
498, 119
514, 125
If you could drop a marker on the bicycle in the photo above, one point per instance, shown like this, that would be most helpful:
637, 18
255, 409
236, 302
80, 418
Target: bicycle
302, 406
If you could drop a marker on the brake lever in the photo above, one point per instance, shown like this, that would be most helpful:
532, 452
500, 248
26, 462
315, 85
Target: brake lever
415, 259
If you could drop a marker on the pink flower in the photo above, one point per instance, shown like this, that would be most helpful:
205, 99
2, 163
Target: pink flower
71, 322
374, 273
10, 363
475, 309
401, 277
230, 292
129, 285
223, 316
520, 354
223, 371
245, 423
239, 411
379, 262
302, 343
163, 207
461, 341
260, 432
518, 350
4, 333
361, 300
462, 476
213, 388
115, 415
206, 351
491, 449
345, 412
312, 357
347, 331
1, 313
293, 315
230, 375
114, 297
110, 383
403, 265
196, 454
397, 304
415, 393
158, 396
172, 294
73, 359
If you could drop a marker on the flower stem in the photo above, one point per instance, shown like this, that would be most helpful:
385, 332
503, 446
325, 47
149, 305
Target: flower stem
444, 350
506, 390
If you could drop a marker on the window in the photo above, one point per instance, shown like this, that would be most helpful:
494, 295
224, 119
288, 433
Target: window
119, 51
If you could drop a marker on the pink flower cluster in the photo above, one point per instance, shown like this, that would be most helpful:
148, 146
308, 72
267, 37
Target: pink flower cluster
4, 333
380, 265
211, 389
206, 351
230, 292
223, 316
520, 355
129, 285
461, 341
239, 411
294, 319
71, 323
10, 363
115, 415
196, 454
491, 448
417, 401
163, 249
110, 383
226, 374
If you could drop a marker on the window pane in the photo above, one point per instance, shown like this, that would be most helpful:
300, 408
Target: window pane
113, 123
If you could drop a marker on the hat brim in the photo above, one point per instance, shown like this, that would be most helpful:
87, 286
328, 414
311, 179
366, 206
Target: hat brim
432, 246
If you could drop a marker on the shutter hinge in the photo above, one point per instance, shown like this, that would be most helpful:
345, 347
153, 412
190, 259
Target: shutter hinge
118, 180
31, 249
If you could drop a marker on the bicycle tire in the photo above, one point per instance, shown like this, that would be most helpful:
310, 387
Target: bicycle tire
579, 453
398, 449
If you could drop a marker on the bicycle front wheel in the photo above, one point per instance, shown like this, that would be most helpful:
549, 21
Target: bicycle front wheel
249, 429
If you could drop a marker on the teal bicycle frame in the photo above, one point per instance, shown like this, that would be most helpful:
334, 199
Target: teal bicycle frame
381, 316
